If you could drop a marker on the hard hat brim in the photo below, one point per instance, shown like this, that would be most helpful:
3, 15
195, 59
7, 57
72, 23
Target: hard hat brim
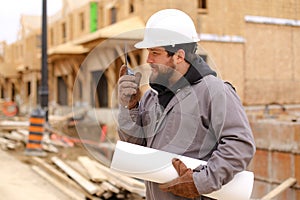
144, 45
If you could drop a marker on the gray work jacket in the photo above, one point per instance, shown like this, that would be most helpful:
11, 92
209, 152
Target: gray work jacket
204, 121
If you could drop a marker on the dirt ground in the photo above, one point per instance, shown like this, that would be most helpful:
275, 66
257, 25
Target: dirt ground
19, 181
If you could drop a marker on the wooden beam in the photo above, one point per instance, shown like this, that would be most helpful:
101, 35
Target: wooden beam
133, 59
63, 67
112, 174
102, 60
34, 87
67, 66
61, 176
78, 167
70, 84
55, 87
50, 82
84, 183
94, 173
110, 56
109, 187
57, 184
104, 186
121, 53
280, 188
128, 183
74, 65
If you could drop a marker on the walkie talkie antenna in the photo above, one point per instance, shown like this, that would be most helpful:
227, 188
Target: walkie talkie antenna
129, 71
125, 54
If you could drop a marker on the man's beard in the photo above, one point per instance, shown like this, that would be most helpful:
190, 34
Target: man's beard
162, 78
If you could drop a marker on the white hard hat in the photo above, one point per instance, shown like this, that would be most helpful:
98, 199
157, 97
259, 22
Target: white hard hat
168, 27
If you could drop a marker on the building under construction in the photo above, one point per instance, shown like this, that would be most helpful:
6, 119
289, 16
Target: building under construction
252, 44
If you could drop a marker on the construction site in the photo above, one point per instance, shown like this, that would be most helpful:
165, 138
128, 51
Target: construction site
255, 45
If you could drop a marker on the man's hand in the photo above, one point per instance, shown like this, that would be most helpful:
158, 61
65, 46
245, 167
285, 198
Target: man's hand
183, 185
129, 93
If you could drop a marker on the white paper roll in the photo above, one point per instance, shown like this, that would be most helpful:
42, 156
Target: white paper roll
156, 166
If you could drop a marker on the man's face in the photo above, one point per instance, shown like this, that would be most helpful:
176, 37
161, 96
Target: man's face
162, 66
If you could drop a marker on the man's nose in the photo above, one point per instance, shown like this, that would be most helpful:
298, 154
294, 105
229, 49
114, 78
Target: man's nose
149, 58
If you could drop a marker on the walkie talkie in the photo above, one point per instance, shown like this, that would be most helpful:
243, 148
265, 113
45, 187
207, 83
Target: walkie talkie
129, 71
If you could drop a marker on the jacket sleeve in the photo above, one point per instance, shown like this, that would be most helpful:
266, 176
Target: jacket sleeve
129, 126
235, 143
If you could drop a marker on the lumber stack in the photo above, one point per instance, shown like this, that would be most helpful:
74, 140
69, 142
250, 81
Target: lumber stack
78, 177
12, 124
16, 139
12, 140
89, 179
10, 137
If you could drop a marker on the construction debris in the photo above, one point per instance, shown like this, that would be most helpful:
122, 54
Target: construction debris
59, 185
77, 175
85, 184
12, 125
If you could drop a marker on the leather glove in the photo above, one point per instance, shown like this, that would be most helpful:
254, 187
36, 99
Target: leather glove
183, 185
129, 93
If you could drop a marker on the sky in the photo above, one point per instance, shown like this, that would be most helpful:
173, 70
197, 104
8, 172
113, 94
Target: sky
11, 11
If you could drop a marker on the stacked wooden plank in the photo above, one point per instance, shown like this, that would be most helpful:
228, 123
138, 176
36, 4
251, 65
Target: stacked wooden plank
13, 124
82, 178
89, 178
15, 139
12, 140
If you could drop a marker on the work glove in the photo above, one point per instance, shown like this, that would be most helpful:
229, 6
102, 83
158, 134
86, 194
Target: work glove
129, 93
183, 185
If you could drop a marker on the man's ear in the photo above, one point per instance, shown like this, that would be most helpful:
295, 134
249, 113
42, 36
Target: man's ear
180, 55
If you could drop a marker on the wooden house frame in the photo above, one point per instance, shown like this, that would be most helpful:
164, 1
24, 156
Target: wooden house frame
83, 25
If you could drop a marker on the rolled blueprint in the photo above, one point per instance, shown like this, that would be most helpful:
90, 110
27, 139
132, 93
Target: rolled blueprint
156, 166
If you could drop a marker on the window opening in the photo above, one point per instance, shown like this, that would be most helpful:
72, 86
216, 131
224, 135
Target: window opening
81, 20
202, 4
113, 15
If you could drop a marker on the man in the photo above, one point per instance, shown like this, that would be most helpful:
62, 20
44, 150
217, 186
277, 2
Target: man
188, 111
